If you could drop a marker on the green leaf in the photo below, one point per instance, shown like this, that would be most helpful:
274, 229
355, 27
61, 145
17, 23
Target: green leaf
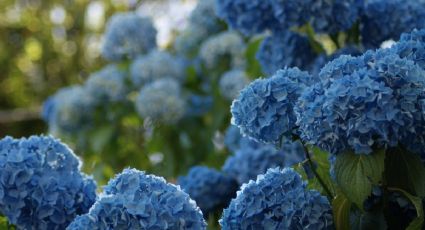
253, 66
101, 137
341, 207
356, 173
405, 170
321, 158
373, 220
417, 223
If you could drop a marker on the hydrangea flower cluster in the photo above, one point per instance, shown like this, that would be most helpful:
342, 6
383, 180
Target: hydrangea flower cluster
232, 138
134, 200
157, 64
253, 17
69, 110
249, 161
198, 105
387, 19
161, 100
285, 49
228, 44
264, 109
203, 16
232, 82
128, 35
210, 188
41, 186
290, 204
363, 103
107, 85
322, 60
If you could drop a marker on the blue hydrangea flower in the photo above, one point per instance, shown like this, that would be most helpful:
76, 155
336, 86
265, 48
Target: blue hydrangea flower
228, 44
198, 105
248, 16
368, 102
134, 200
161, 101
128, 35
232, 138
203, 16
333, 16
188, 41
232, 82
322, 60
412, 47
388, 19
107, 85
69, 110
210, 188
285, 49
290, 13
278, 200
41, 184
252, 159
156, 65
264, 109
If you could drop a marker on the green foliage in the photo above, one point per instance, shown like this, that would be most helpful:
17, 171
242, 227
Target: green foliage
341, 208
417, 223
356, 173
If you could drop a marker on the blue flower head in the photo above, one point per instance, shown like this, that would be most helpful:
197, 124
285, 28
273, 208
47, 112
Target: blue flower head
69, 110
203, 16
264, 109
412, 47
253, 158
198, 105
128, 35
232, 82
285, 49
41, 184
388, 19
322, 60
188, 41
335, 15
278, 199
210, 188
228, 44
161, 101
232, 138
107, 85
156, 65
368, 102
248, 16
134, 200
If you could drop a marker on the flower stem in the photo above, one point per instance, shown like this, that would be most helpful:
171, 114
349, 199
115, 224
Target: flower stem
319, 179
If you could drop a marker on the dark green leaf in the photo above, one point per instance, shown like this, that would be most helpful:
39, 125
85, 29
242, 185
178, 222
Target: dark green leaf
417, 223
405, 170
341, 207
253, 66
101, 137
368, 221
356, 173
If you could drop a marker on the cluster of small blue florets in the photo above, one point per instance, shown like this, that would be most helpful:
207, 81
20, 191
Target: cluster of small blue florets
41, 186
366, 102
228, 44
285, 49
290, 204
161, 100
134, 200
107, 85
155, 65
128, 35
211, 189
264, 109
232, 82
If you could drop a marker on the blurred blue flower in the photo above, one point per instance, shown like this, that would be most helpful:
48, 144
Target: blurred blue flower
203, 16
107, 85
368, 102
134, 200
277, 200
156, 65
128, 35
290, 13
161, 101
232, 82
41, 184
248, 16
285, 49
69, 110
211, 189
264, 109
252, 159
334, 16
387, 19
232, 138
188, 41
198, 105
228, 44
